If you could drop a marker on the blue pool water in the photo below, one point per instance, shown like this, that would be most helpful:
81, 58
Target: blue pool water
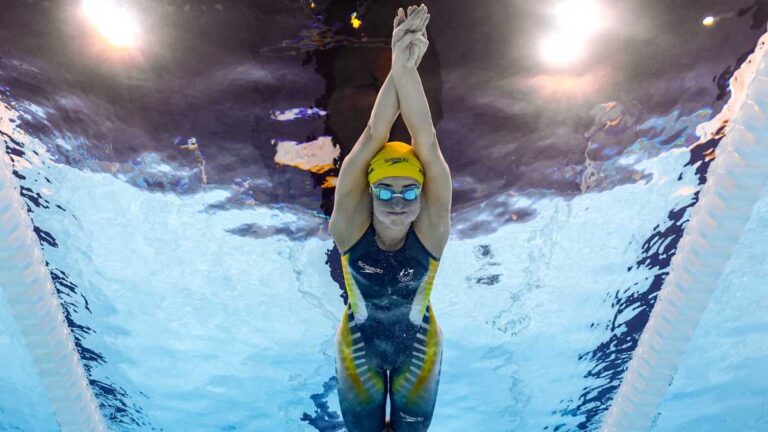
201, 284
184, 325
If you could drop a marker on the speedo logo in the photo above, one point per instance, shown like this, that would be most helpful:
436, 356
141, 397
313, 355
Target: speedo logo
365, 268
395, 160
408, 418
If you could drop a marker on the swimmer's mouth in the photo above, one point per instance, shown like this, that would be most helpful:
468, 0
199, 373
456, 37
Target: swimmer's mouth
396, 213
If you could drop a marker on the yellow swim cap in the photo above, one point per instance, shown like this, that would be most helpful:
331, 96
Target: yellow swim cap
395, 159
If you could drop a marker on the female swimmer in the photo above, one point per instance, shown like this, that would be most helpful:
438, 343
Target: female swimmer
391, 221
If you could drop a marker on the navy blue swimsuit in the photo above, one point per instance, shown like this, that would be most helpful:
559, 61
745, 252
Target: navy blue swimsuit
392, 286
388, 327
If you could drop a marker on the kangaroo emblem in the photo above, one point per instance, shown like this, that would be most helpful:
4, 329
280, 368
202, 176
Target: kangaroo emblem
406, 275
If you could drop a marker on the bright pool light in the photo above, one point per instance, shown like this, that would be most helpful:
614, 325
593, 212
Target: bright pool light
561, 49
580, 17
113, 20
576, 22
708, 21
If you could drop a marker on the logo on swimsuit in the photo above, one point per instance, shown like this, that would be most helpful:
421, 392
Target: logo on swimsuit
406, 275
365, 268
408, 418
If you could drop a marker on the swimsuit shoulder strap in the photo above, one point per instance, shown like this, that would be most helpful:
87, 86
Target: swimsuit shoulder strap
367, 233
418, 241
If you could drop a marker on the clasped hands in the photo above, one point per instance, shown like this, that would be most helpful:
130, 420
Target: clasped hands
409, 38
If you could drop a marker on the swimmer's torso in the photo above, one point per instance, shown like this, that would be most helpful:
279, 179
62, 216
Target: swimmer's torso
388, 293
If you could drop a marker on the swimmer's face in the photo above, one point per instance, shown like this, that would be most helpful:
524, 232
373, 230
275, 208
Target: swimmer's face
396, 212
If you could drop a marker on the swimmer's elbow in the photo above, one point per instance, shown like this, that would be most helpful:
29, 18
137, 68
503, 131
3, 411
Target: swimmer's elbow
377, 133
426, 137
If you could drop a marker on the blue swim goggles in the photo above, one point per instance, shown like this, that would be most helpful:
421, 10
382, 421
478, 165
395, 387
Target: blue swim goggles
385, 194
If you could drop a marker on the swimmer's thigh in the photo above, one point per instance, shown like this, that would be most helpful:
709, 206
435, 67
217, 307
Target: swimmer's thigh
362, 388
415, 382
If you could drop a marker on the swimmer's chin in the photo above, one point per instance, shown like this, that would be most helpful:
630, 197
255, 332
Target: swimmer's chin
399, 218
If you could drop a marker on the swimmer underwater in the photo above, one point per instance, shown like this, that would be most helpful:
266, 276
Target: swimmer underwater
391, 221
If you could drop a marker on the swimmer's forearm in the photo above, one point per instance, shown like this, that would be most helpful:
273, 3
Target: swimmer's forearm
385, 110
413, 105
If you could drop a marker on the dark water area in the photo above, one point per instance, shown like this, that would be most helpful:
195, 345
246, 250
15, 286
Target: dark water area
219, 71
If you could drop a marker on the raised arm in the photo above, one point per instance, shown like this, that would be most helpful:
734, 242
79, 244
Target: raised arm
437, 190
351, 209
413, 102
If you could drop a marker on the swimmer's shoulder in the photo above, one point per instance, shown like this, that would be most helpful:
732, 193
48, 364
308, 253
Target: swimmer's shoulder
352, 233
431, 237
